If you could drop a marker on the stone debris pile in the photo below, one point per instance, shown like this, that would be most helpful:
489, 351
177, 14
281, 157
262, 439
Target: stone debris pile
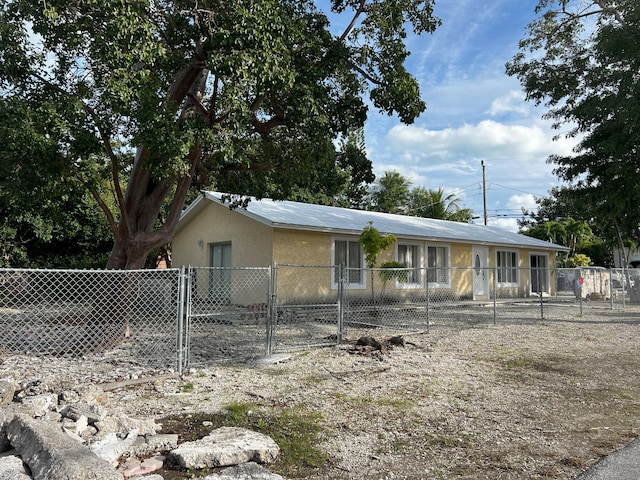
74, 434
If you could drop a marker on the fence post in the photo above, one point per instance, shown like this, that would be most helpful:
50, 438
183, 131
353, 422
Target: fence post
539, 270
426, 282
495, 293
184, 304
625, 282
271, 309
341, 300
611, 288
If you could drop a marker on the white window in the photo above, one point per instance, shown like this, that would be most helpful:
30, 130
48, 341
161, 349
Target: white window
507, 264
438, 270
349, 254
410, 256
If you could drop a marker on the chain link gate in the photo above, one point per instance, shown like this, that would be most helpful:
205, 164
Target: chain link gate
227, 314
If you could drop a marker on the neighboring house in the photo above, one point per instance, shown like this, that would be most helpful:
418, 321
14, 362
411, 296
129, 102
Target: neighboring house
460, 258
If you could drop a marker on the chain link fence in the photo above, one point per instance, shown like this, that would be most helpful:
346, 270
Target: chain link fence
307, 308
393, 299
179, 318
129, 314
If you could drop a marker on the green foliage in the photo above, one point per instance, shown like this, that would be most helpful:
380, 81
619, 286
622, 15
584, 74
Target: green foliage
393, 270
581, 62
434, 203
391, 194
49, 219
578, 260
157, 98
373, 242
570, 233
394, 194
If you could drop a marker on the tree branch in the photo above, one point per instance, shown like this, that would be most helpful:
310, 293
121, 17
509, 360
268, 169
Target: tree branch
107, 212
357, 13
115, 168
366, 75
179, 196
199, 107
603, 9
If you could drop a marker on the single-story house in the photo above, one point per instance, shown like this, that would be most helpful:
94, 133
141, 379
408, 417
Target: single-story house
456, 257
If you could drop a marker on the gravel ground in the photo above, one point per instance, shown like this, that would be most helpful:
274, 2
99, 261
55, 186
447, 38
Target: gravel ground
542, 400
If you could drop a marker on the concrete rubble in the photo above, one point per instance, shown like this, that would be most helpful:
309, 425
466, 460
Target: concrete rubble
74, 435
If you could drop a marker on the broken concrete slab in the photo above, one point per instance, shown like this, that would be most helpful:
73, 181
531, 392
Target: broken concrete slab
51, 453
245, 471
226, 446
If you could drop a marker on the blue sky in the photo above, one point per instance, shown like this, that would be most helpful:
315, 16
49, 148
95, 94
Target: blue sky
474, 112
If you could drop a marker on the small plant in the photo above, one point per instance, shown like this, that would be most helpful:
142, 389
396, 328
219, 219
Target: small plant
373, 242
187, 388
393, 270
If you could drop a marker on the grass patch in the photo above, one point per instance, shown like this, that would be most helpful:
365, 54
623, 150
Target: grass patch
295, 431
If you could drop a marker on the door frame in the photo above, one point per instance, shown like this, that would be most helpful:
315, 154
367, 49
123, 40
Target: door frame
533, 273
480, 272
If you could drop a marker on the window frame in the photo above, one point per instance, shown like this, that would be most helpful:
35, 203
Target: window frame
447, 267
502, 271
363, 277
416, 269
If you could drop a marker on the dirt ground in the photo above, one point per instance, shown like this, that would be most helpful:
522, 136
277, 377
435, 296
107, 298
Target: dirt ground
537, 401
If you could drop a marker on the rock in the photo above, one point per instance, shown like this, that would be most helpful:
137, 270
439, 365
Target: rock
111, 448
123, 424
5, 418
7, 391
39, 405
226, 446
93, 412
144, 446
69, 397
245, 471
148, 465
12, 468
93, 394
50, 453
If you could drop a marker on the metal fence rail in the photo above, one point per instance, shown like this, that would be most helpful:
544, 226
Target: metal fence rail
179, 318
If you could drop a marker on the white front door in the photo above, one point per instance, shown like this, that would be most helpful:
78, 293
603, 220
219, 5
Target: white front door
480, 272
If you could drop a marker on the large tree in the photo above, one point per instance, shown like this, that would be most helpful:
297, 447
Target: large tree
48, 220
179, 94
581, 61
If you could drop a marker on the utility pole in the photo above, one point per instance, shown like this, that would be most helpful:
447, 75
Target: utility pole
484, 190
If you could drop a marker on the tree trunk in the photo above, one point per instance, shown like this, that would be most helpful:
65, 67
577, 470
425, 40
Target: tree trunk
137, 232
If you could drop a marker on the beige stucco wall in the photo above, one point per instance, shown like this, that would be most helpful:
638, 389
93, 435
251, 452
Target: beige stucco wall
303, 261
251, 246
251, 241
257, 245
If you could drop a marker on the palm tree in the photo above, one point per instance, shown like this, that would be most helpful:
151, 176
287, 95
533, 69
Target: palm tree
433, 203
391, 193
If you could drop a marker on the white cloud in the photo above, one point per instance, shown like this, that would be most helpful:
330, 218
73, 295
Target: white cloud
509, 224
511, 102
487, 139
515, 159
526, 200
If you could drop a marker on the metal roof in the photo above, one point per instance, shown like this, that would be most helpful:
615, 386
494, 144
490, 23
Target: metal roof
305, 216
